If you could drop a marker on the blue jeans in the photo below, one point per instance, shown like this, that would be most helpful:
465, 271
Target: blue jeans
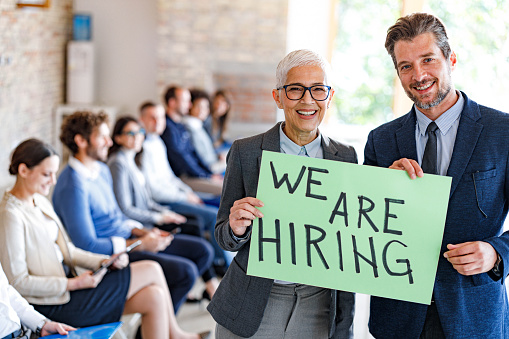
432, 326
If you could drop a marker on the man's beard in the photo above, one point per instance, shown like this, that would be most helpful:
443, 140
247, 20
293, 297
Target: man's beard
94, 154
442, 93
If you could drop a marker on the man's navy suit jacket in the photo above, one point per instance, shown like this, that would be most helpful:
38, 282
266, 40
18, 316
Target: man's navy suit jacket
468, 306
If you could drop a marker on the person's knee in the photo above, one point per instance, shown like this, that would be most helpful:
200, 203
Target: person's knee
207, 252
155, 295
148, 300
191, 272
210, 214
156, 271
185, 274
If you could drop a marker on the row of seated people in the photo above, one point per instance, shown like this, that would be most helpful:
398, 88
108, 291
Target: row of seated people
136, 202
99, 220
44, 266
185, 131
163, 186
207, 127
194, 136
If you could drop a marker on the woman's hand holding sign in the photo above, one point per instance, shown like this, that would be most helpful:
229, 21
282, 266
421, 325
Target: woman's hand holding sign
242, 213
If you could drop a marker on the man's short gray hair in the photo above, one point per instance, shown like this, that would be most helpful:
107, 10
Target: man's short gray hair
301, 57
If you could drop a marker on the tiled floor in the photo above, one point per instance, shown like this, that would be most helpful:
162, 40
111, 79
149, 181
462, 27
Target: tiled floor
194, 317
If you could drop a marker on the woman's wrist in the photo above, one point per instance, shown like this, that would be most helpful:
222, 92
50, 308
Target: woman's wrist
72, 284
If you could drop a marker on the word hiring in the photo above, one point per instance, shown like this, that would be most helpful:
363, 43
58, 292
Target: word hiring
365, 206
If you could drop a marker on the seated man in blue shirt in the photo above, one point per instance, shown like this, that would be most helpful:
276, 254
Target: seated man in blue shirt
85, 202
182, 156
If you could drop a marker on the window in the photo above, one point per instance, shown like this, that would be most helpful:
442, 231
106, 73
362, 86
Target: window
477, 32
363, 71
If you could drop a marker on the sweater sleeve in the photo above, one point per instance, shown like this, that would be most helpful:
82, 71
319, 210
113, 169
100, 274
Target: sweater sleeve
26, 312
86, 259
72, 207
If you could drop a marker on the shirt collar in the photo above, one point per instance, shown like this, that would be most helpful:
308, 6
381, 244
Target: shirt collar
445, 121
289, 147
84, 171
151, 136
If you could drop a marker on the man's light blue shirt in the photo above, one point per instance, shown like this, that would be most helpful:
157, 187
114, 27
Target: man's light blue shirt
447, 124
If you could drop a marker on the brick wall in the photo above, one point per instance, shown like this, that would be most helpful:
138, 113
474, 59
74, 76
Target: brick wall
203, 43
32, 47
222, 43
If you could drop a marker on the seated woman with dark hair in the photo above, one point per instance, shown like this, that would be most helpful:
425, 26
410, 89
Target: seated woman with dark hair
135, 200
43, 265
220, 114
202, 142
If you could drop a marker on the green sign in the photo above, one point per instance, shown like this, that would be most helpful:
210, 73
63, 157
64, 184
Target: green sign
348, 227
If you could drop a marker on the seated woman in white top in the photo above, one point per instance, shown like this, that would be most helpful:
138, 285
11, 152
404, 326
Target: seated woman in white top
18, 319
43, 265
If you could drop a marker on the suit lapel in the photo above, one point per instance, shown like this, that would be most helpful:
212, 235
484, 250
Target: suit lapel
270, 142
330, 152
469, 131
405, 138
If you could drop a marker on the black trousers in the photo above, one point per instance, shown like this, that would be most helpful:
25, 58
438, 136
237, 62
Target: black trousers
432, 326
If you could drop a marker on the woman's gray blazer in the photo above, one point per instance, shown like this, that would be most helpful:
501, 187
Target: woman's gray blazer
134, 199
240, 300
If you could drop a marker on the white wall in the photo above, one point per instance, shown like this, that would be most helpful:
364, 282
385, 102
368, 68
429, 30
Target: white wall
309, 25
124, 33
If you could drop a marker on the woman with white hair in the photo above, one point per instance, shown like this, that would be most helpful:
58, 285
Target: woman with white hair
253, 307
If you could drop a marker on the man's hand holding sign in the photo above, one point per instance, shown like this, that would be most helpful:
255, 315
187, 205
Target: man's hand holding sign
467, 258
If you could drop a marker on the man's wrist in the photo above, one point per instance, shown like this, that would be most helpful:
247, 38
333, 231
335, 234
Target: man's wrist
497, 267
